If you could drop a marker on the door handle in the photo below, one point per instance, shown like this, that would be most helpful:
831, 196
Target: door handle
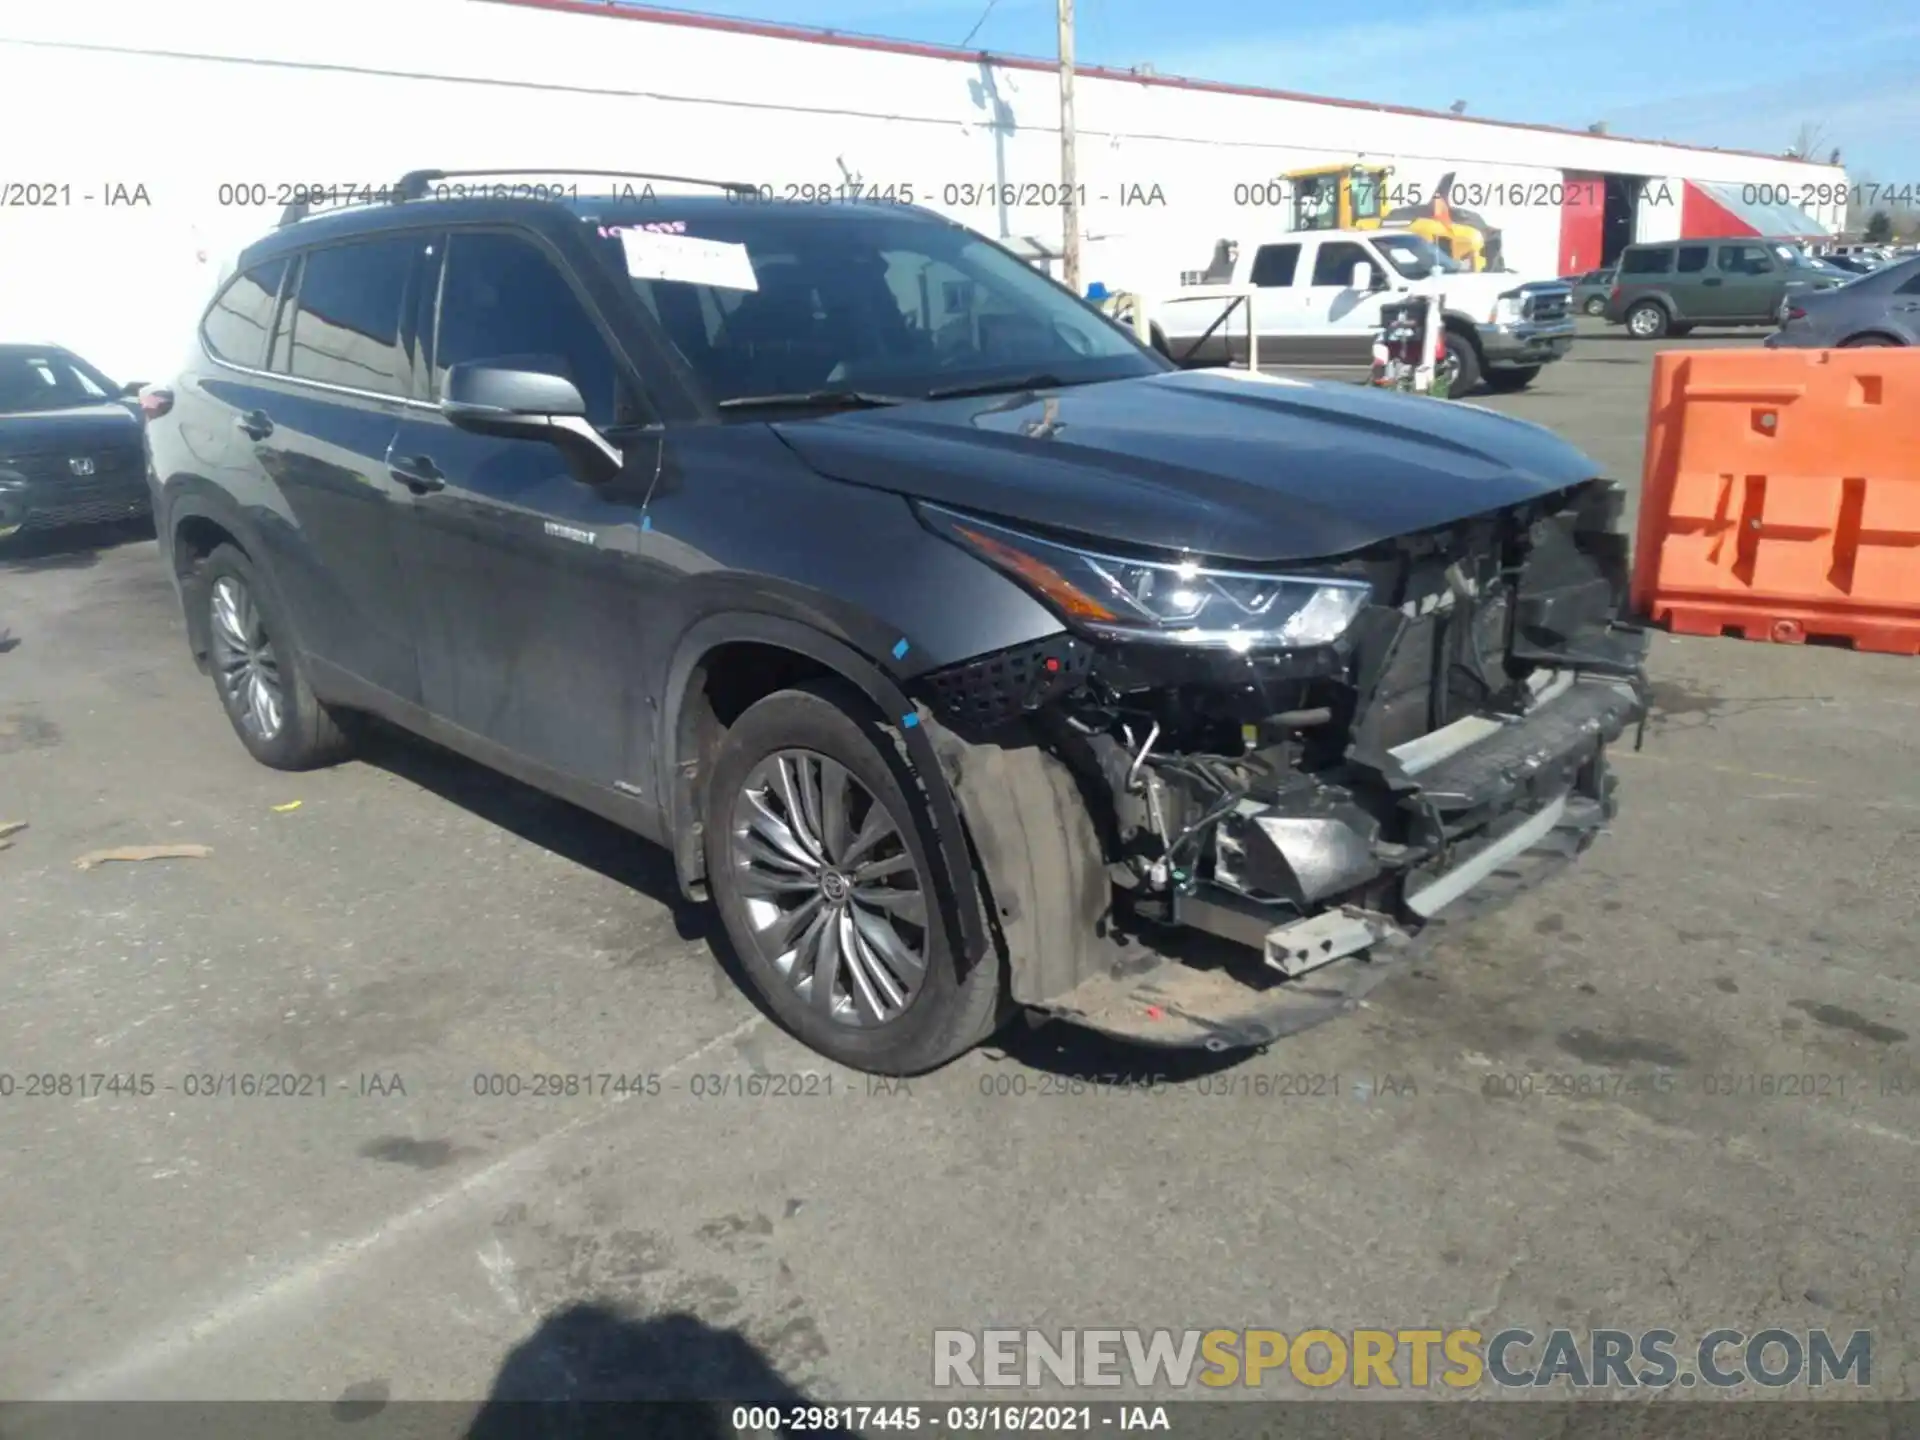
255, 424
420, 475
1710, 281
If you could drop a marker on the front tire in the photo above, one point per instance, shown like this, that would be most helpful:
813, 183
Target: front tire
821, 861
1860, 341
1596, 305
257, 672
1461, 362
1647, 320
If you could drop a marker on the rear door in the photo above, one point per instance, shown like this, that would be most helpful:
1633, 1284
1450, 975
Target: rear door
1695, 287
318, 424
1277, 300
531, 583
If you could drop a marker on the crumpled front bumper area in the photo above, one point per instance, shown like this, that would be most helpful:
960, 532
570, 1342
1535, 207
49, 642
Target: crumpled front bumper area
1502, 802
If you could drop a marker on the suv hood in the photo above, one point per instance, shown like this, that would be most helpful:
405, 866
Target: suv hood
1201, 461
108, 423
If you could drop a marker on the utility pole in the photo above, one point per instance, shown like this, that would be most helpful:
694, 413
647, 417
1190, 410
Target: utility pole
1069, 172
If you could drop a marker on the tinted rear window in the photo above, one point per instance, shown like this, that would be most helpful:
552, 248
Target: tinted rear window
235, 329
346, 330
1656, 261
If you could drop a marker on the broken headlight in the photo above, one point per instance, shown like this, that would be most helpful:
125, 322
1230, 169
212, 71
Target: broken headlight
1177, 602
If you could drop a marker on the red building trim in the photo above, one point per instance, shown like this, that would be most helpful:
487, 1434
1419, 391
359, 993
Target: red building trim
774, 31
1702, 215
1583, 216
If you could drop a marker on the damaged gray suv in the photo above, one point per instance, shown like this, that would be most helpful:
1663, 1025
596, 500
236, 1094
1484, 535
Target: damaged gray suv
968, 656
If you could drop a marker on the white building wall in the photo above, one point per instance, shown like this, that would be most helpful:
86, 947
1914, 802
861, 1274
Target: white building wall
183, 99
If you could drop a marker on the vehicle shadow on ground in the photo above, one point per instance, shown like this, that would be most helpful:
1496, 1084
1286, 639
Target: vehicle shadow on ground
78, 547
589, 1371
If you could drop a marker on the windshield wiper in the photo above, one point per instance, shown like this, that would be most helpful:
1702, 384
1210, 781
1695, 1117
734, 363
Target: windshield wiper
1039, 381
813, 400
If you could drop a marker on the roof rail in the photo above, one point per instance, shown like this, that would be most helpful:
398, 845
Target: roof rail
415, 185
418, 185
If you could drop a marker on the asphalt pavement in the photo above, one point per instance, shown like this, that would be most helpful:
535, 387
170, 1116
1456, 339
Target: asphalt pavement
412, 940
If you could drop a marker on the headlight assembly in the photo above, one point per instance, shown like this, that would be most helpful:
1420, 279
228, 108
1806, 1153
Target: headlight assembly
1177, 603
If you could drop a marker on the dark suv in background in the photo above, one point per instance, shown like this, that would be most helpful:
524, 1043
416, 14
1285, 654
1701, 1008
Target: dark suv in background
1667, 289
948, 636
70, 448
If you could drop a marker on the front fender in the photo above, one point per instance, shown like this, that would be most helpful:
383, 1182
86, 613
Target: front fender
677, 772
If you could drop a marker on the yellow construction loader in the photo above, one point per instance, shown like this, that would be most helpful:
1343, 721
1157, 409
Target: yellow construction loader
1357, 197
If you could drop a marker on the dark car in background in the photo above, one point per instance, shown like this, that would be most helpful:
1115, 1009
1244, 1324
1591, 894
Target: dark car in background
1670, 287
1590, 290
936, 624
71, 444
1880, 308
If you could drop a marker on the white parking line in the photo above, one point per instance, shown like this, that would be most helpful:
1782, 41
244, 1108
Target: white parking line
299, 1282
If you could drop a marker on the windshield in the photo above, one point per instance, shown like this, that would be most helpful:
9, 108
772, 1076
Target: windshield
1417, 257
858, 301
33, 380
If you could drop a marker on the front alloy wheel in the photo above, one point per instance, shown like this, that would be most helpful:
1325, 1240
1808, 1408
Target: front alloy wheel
244, 660
830, 890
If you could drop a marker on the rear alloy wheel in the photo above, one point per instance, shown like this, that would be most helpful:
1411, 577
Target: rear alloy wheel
256, 671
820, 859
1596, 305
245, 663
1647, 321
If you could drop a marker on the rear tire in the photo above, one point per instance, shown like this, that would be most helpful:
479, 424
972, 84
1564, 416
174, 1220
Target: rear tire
1507, 381
258, 673
797, 892
1648, 320
1596, 305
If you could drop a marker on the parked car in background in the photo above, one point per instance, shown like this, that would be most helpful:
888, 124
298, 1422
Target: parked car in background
1880, 308
71, 446
1668, 288
1316, 299
929, 617
1853, 264
1590, 290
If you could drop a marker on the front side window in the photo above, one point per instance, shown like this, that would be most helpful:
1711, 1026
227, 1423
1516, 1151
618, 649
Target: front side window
346, 320
856, 300
502, 299
1744, 260
1333, 266
235, 329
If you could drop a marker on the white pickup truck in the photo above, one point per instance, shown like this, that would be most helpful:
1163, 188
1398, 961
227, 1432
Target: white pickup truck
1315, 299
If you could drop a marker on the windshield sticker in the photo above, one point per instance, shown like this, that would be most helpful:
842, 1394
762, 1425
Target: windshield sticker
661, 255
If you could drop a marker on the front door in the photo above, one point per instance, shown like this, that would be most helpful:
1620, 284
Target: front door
530, 579
1340, 319
1754, 281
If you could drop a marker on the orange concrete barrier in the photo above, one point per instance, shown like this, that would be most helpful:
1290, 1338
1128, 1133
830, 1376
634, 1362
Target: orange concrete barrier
1780, 499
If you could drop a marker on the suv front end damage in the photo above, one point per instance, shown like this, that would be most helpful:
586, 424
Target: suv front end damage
1440, 733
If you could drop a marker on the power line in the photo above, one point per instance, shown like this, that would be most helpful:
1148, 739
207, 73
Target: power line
978, 23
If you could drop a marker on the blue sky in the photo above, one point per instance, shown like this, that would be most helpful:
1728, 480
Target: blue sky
1745, 74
